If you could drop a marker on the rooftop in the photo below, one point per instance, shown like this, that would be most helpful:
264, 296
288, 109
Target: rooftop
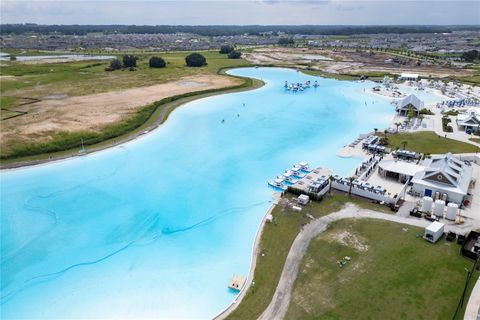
411, 100
445, 171
401, 167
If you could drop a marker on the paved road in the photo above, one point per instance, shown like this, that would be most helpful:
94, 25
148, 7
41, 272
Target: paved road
279, 305
472, 311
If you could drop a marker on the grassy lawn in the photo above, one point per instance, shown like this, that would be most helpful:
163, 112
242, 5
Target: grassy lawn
275, 243
429, 142
392, 274
88, 77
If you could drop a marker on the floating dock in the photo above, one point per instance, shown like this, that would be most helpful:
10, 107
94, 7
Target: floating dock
237, 283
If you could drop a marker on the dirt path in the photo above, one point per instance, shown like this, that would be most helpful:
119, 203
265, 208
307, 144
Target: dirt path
279, 305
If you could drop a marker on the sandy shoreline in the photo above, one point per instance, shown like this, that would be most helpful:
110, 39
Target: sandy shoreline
255, 251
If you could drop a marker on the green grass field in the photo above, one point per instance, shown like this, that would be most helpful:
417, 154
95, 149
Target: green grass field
429, 142
399, 276
275, 243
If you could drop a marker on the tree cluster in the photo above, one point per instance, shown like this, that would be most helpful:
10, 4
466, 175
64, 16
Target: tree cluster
128, 61
235, 54
470, 56
286, 42
115, 64
156, 62
226, 49
195, 60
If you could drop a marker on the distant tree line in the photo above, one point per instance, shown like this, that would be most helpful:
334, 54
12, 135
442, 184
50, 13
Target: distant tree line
225, 30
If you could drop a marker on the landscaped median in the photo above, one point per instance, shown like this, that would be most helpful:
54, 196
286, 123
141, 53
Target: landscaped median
66, 144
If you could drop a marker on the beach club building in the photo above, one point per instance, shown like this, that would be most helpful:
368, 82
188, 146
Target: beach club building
444, 177
469, 121
410, 102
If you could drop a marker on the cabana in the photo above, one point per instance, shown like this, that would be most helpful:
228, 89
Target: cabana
408, 76
409, 103
469, 121
405, 154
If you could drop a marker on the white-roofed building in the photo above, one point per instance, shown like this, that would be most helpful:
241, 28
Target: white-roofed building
444, 177
469, 120
410, 102
398, 170
408, 76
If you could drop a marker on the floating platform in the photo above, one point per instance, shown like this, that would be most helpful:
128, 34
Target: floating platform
237, 283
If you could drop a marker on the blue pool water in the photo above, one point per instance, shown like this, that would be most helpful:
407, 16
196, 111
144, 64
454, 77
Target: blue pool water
158, 226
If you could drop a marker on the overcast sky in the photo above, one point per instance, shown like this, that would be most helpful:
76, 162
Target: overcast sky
156, 12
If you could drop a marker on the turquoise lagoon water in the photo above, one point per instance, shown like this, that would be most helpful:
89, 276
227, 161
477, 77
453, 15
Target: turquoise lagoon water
158, 226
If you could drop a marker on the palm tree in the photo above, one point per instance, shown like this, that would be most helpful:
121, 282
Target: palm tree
420, 116
350, 179
404, 144
398, 124
410, 114
375, 129
331, 178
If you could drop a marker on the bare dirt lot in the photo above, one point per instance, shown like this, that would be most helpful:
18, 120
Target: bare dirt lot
348, 61
93, 112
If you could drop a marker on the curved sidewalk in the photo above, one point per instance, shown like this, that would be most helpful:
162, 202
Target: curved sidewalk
279, 305
473, 306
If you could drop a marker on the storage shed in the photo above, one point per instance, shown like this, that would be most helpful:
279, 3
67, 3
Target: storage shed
303, 199
434, 231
